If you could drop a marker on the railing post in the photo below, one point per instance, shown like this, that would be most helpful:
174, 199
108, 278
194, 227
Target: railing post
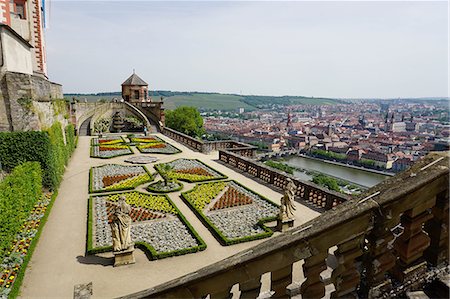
411, 244
313, 287
251, 288
437, 229
280, 280
380, 258
346, 277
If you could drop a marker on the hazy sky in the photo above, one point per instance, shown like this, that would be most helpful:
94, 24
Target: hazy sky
330, 49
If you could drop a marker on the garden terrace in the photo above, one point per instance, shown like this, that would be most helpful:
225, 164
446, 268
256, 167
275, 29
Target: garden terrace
409, 210
71, 262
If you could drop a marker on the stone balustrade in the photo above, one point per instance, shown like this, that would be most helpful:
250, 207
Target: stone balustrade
313, 194
390, 236
209, 146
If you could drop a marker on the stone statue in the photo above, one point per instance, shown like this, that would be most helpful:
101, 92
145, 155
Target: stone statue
121, 226
287, 201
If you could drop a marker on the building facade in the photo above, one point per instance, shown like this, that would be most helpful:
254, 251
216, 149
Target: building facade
27, 19
135, 90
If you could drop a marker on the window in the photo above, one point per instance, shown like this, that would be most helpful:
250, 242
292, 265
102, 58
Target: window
20, 9
136, 94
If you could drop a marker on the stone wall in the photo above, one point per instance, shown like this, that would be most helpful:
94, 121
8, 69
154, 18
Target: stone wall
30, 102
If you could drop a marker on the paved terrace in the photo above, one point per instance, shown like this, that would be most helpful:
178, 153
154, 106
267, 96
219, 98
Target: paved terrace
59, 261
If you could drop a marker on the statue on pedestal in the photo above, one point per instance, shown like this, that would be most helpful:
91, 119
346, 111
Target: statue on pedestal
123, 246
287, 208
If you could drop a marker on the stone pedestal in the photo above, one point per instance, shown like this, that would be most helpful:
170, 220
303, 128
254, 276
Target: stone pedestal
124, 257
284, 224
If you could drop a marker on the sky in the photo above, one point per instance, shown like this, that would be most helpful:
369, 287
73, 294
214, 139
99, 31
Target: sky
339, 49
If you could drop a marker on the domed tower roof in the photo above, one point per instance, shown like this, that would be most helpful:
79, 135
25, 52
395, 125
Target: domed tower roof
135, 80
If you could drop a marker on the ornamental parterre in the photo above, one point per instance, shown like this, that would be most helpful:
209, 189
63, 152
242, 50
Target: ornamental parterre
189, 170
107, 140
109, 147
154, 145
11, 264
233, 212
114, 177
157, 225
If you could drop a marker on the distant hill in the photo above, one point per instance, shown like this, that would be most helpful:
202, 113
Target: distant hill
215, 101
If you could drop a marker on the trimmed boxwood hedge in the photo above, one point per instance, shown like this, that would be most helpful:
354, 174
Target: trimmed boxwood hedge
161, 173
19, 191
217, 233
46, 147
148, 249
91, 179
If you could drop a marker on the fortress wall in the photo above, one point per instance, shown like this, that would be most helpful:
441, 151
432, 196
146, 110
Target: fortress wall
30, 102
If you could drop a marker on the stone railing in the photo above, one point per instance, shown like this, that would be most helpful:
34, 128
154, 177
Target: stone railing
313, 194
382, 244
209, 146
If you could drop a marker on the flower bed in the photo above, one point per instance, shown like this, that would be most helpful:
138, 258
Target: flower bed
154, 145
110, 151
12, 268
231, 212
114, 177
189, 170
162, 187
109, 147
158, 226
106, 140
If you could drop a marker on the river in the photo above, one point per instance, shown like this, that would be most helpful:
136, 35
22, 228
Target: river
360, 177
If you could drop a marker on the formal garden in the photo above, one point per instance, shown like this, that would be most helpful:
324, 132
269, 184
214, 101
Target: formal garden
36, 161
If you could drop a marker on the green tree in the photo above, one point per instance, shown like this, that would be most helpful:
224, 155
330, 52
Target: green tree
186, 120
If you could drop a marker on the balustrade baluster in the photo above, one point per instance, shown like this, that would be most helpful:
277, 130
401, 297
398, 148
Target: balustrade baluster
313, 287
346, 277
411, 244
280, 279
380, 258
437, 229
251, 288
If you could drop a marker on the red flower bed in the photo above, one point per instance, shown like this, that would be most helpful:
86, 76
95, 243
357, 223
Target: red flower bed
136, 214
232, 198
111, 180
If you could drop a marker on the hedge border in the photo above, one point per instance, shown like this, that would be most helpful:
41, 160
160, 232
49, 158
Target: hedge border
181, 186
19, 279
91, 179
217, 233
223, 177
148, 249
